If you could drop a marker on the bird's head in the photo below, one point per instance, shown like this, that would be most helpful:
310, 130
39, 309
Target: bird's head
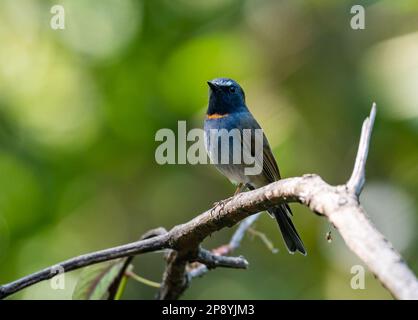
225, 96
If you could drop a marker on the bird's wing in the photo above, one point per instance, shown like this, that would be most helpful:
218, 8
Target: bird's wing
270, 168
266, 159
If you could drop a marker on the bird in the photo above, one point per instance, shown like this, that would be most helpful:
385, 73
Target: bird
227, 110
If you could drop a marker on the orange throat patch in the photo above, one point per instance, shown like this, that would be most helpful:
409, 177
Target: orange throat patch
216, 116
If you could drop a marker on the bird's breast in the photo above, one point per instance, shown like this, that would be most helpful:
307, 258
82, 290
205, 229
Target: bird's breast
216, 116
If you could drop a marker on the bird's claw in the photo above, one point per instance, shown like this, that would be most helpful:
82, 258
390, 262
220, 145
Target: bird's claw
220, 203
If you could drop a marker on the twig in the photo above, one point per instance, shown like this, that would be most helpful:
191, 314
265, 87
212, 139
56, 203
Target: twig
242, 228
142, 280
201, 269
358, 176
134, 248
212, 260
338, 203
264, 239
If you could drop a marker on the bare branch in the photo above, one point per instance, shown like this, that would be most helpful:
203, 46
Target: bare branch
338, 203
201, 269
134, 248
213, 261
175, 281
242, 229
358, 177
263, 237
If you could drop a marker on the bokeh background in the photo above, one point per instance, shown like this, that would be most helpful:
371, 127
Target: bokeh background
79, 109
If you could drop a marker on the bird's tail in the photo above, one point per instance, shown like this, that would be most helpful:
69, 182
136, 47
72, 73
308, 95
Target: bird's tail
291, 237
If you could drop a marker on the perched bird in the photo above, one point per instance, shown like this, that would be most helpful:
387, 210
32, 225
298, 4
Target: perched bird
227, 110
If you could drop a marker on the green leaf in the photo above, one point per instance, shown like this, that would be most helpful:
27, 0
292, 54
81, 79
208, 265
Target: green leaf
100, 281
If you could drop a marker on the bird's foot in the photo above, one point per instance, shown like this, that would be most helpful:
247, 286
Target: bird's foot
220, 203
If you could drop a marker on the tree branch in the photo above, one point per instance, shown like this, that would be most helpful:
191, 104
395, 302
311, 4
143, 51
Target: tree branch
201, 269
213, 260
130, 249
358, 177
339, 204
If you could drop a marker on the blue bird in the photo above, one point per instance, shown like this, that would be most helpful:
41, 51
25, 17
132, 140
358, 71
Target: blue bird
227, 110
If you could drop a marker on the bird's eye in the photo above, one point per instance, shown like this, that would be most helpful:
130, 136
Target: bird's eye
232, 89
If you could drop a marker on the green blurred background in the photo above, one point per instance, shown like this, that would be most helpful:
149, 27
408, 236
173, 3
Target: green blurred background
79, 109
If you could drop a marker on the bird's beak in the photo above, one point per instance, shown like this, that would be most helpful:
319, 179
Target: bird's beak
213, 86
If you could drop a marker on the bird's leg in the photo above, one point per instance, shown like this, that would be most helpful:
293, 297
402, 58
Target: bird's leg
240, 187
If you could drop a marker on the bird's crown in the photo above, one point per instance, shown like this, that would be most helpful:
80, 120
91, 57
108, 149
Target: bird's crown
224, 82
225, 96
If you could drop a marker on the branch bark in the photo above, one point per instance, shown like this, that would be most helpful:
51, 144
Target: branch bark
340, 204
212, 260
201, 269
